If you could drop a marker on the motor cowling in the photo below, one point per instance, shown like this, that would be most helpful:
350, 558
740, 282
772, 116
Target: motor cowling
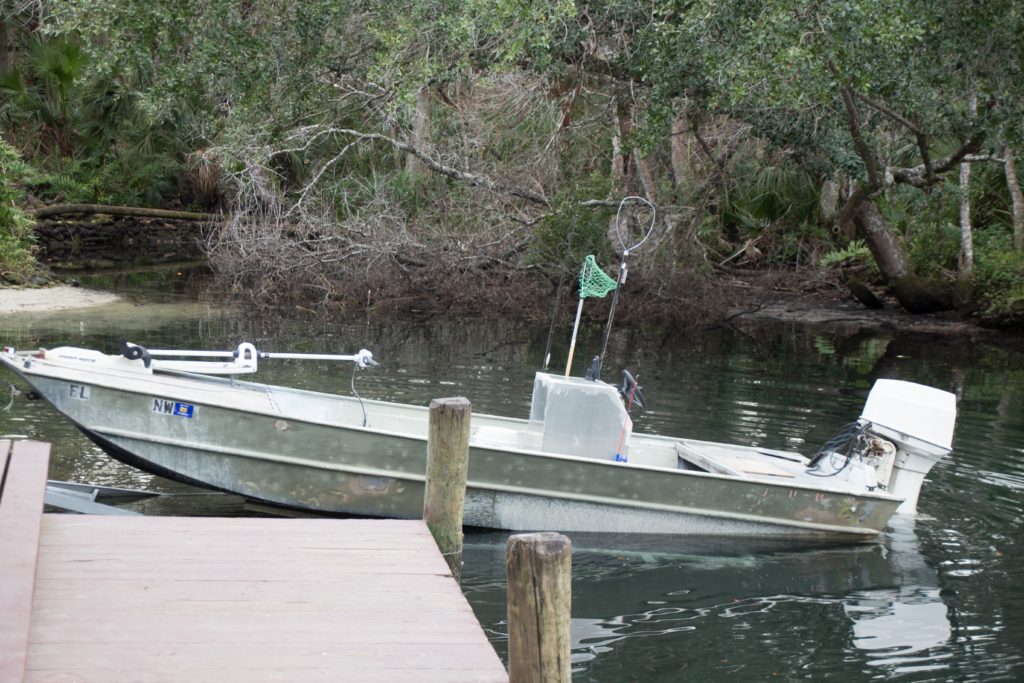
919, 421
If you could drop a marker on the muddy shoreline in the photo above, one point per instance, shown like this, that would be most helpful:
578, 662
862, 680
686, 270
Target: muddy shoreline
849, 318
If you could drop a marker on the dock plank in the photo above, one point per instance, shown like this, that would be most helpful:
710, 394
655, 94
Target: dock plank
207, 599
22, 485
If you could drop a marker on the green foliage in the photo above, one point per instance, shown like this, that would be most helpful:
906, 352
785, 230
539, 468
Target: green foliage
87, 133
935, 248
762, 195
999, 279
777, 203
38, 94
17, 243
855, 253
424, 40
565, 237
781, 66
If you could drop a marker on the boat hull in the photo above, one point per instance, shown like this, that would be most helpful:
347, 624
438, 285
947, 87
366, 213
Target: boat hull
307, 464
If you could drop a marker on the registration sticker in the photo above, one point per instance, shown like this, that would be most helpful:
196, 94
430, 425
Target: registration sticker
167, 407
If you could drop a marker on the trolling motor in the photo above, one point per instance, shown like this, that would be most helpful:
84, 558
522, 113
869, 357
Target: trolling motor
134, 352
631, 392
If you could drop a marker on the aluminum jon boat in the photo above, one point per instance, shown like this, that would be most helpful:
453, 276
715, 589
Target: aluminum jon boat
574, 465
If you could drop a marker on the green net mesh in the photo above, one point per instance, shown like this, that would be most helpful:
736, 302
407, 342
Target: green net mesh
593, 280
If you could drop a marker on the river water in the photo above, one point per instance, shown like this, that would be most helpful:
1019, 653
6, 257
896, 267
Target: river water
936, 598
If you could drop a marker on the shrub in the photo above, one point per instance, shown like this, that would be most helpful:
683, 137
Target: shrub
17, 242
999, 281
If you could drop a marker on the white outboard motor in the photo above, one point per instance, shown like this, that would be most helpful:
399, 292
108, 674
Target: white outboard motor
918, 421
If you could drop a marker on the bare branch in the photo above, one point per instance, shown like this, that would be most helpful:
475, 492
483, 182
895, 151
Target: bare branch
890, 112
972, 158
918, 175
472, 179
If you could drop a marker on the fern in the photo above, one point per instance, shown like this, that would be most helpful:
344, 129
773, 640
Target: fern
856, 252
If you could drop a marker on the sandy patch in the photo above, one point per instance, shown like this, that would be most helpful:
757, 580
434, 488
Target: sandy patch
51, 299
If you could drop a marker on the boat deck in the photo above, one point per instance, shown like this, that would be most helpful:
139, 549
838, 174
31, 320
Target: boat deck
213, 599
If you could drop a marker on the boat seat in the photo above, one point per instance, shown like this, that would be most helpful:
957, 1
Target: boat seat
494, 437
721, 461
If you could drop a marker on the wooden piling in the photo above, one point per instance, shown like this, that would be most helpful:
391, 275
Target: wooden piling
539, 569
447, 466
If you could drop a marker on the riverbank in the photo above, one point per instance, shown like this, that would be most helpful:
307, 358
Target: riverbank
60, 297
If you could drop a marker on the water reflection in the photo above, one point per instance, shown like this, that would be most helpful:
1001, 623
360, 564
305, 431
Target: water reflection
900, 625
634, 595
898, 622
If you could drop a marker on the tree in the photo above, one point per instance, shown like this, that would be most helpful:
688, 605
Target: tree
658, 98
878, 92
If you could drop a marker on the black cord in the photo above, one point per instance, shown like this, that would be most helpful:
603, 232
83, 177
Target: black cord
558, 299
355, 393
843, 443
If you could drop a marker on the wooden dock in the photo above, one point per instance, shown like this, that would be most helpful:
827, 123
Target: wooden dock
90, 598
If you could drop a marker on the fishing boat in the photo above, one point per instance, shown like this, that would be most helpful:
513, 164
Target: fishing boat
573, 464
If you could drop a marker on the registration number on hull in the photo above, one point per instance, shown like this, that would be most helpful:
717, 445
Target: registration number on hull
167, 407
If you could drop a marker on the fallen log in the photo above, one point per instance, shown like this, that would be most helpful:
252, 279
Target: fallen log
136, 211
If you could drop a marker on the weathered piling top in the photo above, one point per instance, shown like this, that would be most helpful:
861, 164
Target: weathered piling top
212, 599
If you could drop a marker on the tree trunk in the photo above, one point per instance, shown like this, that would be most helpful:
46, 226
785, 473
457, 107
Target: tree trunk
966, 265
5, 46
420, 133
966, 238
828, 202
646, 179
618, 163
620, 155
682, 168
1016, 197
914, 294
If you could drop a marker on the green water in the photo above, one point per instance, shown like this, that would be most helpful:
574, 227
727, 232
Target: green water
937, 598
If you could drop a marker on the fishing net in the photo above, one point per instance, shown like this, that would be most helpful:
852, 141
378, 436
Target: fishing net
593, 280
